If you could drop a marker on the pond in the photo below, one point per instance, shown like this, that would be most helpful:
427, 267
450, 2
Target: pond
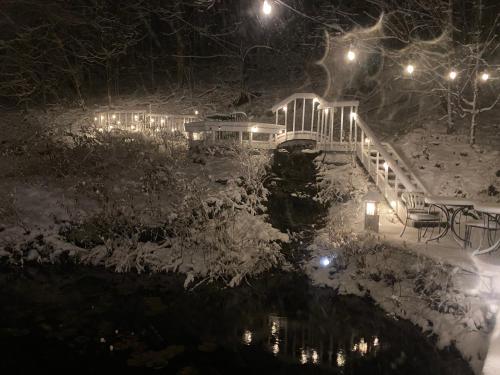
75, 319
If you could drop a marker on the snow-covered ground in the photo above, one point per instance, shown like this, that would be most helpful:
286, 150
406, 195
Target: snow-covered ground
449, 166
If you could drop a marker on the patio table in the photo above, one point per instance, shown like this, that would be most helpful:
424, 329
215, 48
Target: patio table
451, 208
492, 211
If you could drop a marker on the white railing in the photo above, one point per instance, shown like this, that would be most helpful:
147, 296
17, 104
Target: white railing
307, 116
385, 170
141, 121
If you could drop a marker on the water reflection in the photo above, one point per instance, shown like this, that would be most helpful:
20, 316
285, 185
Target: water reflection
310, 344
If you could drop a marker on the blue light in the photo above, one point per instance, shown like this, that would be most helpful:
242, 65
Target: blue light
324, 261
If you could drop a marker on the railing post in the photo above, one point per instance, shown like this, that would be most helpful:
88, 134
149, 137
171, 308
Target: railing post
331, 124
362, 146
294, 113
286, 122
377, 164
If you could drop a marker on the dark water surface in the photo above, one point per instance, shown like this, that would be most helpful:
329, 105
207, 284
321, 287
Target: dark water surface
73, 319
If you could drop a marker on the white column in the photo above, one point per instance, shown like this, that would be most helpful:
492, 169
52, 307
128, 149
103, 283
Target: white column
294, 114
342, 124
312, 116
303, 112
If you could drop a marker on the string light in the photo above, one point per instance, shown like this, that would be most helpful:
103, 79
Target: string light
351, 55
485, 76
410, 69
452, 75
266, 8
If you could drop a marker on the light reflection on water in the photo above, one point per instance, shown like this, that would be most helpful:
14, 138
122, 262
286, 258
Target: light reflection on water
297, 342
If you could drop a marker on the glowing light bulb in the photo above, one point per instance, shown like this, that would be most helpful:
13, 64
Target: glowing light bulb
266, 8
452, 75
410, 69
485, 76
324, 261
285, 108
351, 55
354, 115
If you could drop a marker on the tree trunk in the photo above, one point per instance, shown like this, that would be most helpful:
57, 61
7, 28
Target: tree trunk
109, 80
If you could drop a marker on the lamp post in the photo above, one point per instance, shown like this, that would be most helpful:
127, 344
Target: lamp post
371, 202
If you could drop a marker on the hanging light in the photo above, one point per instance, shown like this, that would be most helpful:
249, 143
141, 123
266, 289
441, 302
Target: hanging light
410, 69
267, 8
485, 76
452, 75
351, 55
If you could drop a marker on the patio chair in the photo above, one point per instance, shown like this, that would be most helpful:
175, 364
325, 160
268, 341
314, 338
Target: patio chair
488, 225
418, 214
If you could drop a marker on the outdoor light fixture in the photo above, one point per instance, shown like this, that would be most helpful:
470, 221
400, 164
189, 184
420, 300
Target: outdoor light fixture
266, 8
285, 108
351, 55
196, 112
485, 76
353, 115
371, 199
452, 75
324, 261
410, 69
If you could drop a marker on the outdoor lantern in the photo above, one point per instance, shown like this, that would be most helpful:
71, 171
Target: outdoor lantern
371, 201
410, 69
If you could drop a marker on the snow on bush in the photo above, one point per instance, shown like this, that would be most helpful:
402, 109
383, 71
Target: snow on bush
129, 202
